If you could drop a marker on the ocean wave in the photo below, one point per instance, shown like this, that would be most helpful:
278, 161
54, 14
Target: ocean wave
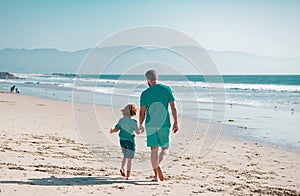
54, 79
30, 75
110, 91
263, 87
12, 81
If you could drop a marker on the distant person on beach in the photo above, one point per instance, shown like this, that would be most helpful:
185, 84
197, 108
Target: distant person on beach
12, 89
17, 91
154, 104
127, 126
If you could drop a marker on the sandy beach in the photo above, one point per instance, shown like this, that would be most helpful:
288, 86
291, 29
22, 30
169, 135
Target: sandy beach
41, 153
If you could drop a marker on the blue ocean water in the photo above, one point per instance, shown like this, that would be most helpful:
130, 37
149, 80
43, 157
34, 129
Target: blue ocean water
262, 107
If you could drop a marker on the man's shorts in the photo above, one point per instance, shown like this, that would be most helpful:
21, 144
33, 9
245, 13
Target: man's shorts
128, 148
158, 137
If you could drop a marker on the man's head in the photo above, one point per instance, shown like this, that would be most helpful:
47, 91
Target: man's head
151, 76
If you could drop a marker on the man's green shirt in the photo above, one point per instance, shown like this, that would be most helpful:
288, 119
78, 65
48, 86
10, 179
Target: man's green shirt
157, 98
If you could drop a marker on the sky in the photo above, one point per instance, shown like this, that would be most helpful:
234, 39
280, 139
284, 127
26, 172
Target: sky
262, 27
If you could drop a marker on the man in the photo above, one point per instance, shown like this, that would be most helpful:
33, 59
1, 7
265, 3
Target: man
154, 104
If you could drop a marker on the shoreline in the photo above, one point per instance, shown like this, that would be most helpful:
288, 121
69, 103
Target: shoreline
41, 151
227, 129
270, 125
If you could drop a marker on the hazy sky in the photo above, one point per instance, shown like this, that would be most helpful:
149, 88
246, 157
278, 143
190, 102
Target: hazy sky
262, 27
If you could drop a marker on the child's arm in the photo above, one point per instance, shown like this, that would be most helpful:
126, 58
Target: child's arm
113, 130
136, 129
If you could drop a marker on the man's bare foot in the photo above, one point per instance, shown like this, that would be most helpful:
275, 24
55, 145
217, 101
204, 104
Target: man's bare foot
154, 180
160, 174
122, 172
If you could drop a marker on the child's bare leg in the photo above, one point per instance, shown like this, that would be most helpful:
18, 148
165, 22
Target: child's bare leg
129, 163
122, 167
123, 163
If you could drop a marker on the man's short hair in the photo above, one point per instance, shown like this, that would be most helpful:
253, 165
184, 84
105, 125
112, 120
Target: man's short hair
151, 75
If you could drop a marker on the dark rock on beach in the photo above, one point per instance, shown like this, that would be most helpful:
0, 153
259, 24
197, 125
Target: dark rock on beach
6, 75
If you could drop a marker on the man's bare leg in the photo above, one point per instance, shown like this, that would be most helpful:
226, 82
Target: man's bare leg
162, 155
154, 161
160, 174
155, 164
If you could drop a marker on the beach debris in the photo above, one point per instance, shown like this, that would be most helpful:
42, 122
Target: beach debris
215, 189
16, 168
242, 127
197, 192
119, 187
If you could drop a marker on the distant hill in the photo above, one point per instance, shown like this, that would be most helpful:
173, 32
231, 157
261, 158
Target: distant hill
52, 60
242, 62
40, 60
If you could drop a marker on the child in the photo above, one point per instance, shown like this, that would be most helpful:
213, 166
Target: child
127, 127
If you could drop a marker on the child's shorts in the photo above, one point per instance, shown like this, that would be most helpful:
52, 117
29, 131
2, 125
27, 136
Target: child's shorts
128, 148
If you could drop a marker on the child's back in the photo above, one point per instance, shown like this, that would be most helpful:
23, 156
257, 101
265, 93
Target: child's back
126, 127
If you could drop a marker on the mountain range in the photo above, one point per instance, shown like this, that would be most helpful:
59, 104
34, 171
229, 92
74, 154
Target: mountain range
228, 62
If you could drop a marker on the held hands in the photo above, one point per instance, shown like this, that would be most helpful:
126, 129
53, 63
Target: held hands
142, 128
175, 128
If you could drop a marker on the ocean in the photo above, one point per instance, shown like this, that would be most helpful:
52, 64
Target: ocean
262, 108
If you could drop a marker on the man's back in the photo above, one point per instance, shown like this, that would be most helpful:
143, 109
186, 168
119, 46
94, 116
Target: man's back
157, 98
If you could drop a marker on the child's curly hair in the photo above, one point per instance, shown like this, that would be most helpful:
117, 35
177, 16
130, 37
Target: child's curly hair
130, 110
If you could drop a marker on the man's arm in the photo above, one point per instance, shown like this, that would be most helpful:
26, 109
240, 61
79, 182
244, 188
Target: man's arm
142, 117
175, 116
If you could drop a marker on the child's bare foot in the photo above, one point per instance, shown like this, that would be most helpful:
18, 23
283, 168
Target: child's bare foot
122, 172
128, 175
